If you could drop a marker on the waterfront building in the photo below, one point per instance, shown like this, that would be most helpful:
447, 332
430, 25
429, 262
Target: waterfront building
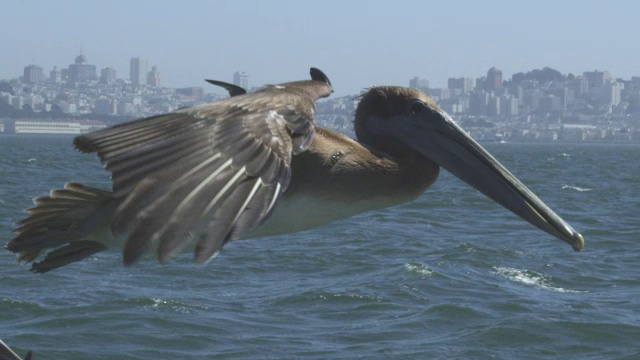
73, 127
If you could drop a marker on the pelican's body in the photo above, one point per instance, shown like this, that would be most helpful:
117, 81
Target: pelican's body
324, 179
256, 165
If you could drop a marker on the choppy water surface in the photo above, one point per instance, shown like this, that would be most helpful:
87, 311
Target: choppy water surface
451, 275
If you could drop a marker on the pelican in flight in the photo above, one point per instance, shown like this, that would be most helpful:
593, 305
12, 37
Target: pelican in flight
254, 165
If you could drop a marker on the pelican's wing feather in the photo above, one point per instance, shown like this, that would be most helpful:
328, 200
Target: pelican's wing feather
203, 174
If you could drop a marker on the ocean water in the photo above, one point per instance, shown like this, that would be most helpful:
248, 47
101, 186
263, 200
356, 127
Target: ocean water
450, 275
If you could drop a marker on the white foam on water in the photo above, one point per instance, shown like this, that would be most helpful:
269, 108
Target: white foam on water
418, 269
575, 188
530, 278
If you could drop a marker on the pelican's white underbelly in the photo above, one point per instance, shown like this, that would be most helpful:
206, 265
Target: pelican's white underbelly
304, 212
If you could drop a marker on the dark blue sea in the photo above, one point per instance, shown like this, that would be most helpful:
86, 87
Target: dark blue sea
450, 275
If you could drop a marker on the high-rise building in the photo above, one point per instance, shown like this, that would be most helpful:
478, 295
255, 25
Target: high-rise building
581, 85
241, 79
439, 94
418, 83
509, 105
153, 78
33, 74
81, 70
568, 97
493, 106
478, 102
531, 98
465, 85
597, 78
494, 79
138, 71
55, 75
107, 75
610, 94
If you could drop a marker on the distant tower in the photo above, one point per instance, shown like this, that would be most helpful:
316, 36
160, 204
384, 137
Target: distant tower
153, 78
33, 74
138, 71
494, 79
241, 79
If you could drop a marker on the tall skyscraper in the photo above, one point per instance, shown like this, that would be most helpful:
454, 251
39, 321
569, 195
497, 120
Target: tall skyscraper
153, 78
138, 71
494, 79
33, 74
241, 79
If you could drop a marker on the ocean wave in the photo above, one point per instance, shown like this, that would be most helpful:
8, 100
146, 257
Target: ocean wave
576, 188
531, 278
154, 304
418, 269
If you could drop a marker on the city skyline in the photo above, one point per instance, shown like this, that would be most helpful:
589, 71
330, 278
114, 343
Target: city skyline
537, 105
357, 46
546, 90
140, 74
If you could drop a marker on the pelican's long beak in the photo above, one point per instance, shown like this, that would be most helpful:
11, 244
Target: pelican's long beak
443, 141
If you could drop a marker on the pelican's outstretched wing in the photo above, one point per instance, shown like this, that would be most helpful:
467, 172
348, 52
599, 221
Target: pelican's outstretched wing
206, 173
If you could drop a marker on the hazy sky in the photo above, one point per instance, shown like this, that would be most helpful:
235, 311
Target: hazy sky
356, 43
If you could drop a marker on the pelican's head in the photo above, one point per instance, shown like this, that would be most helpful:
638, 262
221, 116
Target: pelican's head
401, 121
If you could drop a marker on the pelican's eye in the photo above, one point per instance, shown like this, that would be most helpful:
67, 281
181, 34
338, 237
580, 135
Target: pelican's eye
418, 106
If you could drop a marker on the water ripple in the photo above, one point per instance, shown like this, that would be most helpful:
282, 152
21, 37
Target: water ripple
450, 275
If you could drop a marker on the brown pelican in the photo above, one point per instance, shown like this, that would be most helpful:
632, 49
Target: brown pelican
254, 165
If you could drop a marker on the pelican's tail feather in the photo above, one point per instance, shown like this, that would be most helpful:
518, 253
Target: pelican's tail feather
72, 221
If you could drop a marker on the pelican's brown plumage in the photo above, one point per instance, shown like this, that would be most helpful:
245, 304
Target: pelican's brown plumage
254, 165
